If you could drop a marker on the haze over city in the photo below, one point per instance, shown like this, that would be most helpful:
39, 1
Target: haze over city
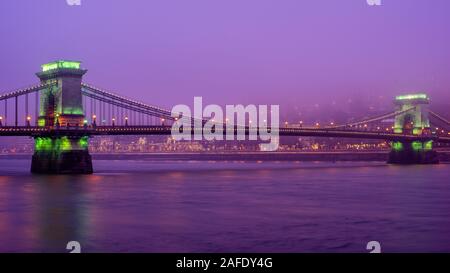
293, 53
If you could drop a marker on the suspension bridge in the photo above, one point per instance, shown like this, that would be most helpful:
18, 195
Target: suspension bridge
62, 113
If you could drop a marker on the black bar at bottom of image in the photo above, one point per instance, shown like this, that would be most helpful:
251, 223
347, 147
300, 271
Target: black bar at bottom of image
247, 262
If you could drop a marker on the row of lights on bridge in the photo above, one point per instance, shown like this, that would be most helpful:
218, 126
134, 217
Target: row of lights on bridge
113, 120
28, 120
378, 128
94, 118
286, 123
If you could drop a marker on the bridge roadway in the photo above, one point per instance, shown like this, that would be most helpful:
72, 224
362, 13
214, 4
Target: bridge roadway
33, 131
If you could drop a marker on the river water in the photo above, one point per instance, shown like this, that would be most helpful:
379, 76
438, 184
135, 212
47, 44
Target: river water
201, 206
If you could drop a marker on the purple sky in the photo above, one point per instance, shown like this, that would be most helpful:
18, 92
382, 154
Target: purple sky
283, 52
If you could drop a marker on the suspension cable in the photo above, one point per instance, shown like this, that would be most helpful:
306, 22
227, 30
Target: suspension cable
384, 116
439, 117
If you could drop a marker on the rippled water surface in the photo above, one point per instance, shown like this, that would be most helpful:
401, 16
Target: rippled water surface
147, 206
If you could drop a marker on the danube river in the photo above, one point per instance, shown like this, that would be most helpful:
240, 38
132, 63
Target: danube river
206, 206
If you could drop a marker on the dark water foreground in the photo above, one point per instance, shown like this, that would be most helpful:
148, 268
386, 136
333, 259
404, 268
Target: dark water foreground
207, 206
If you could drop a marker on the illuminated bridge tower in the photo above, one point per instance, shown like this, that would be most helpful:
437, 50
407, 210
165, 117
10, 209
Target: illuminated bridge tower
412, 119
61, 107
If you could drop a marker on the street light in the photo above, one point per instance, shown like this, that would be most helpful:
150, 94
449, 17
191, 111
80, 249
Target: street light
57, 120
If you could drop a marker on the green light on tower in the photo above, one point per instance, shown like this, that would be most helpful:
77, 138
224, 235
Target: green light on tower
428, 145
41, 122
397, 146
61, 64
43, 144
73, 111
63, 144
417, 145
55, 145
83, 142
420, 96
417, 131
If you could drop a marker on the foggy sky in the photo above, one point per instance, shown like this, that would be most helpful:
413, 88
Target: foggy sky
287, 52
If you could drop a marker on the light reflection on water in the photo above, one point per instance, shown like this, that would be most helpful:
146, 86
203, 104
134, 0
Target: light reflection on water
147, 206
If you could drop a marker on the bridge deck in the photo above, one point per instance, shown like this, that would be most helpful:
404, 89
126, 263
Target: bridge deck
33, 131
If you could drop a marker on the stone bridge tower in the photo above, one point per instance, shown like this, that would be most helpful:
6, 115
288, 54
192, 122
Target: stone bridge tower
412, 119
61, 107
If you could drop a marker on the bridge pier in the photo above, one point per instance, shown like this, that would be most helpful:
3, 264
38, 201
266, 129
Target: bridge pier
415, 152
61, 155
